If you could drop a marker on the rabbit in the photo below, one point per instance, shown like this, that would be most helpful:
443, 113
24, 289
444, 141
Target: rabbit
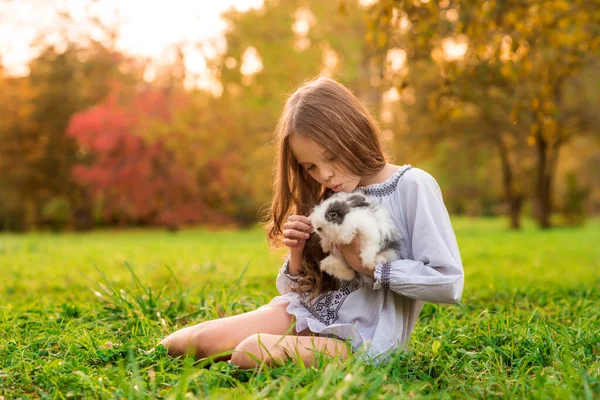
339, 218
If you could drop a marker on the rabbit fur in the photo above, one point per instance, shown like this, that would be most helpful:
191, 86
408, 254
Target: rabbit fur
339, 218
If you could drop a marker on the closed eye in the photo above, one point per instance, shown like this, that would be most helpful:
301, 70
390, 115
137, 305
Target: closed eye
330, 157
309, 168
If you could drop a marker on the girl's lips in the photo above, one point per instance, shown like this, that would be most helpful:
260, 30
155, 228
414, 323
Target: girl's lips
337, 188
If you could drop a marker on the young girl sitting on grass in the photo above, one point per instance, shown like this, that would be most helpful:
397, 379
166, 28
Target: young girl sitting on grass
328, 142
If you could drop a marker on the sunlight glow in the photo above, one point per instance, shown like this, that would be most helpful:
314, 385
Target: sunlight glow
400, 20
367, 3
230, 62
251, 62
396, 59
301, 27
408, 96
455, 49
452, 15
392, 95
304, 19
387, 116
330, 60
505, 48
301, 44
145, 29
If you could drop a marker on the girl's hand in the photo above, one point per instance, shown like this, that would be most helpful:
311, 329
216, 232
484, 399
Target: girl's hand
351, 253
295, 232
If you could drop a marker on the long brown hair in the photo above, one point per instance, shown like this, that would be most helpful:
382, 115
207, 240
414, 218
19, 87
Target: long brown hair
327, 112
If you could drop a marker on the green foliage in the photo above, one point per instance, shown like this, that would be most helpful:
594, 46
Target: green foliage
488, 125
498, 73
36, 156
255, 101
527, 327
57, 212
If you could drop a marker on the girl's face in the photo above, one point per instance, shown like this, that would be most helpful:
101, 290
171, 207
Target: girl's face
322, 165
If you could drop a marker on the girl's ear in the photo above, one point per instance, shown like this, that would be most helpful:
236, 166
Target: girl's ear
357, 200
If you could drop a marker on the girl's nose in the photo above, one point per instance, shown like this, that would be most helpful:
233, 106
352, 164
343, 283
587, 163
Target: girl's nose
327, 174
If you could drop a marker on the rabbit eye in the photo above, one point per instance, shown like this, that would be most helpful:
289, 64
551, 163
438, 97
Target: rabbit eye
336, 212
319, 229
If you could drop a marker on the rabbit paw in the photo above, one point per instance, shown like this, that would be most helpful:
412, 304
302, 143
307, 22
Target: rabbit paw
388, 255
338, 268
380, 259
369, 259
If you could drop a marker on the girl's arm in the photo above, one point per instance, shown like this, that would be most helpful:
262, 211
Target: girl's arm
288, 276
434, 271
295, 233
351, 253
295, 261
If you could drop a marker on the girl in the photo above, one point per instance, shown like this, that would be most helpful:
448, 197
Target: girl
327, 142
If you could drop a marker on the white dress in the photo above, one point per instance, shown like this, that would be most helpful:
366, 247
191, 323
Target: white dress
377, 315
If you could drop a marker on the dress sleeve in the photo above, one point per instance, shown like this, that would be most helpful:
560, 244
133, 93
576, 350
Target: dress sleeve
435, 272
286, 282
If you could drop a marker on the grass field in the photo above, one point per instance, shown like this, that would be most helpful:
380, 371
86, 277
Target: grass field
80, 314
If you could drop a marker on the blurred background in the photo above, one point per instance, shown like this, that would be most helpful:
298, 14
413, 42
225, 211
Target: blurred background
161, 114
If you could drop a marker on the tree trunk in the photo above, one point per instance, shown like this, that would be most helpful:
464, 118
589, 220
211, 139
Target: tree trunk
547, 152
547, 160
516, 205
81, 209
511, 196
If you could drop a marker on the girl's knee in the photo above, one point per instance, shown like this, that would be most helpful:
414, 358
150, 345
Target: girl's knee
255, 350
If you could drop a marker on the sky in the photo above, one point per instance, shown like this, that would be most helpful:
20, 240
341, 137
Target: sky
146, 27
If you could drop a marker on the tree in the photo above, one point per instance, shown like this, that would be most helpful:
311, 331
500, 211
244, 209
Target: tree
20, 152
135, 179
65, 83
527, 52
287, 43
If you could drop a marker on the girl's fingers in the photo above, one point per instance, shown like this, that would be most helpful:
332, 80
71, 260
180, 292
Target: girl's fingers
290, 242
295, 234
297, 226
300, 225
294, 243
296, 230
301, 218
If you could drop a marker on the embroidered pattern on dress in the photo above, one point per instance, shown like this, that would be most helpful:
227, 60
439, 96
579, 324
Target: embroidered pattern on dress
330, 336
286, 272
385, 275
325, 307
388, 188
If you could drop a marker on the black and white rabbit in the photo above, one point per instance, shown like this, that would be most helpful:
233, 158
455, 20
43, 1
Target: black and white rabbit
342, 216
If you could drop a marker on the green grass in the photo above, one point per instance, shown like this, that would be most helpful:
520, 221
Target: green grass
80, 314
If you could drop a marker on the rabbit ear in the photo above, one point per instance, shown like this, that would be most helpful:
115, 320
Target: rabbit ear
357, 200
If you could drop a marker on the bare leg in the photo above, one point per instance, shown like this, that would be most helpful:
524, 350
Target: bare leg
216, 336
273, 349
